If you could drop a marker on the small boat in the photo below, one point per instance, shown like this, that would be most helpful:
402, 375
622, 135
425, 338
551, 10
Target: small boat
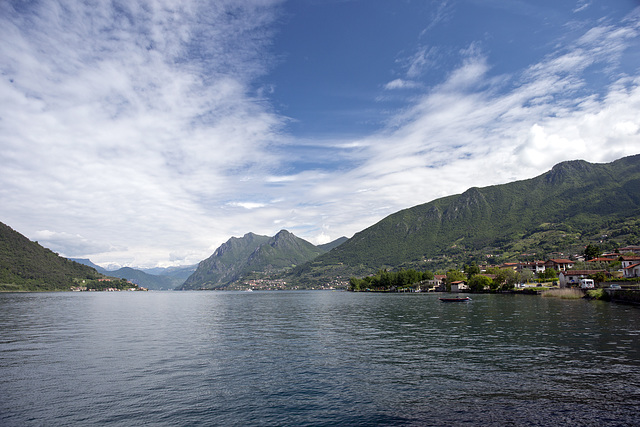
456, 299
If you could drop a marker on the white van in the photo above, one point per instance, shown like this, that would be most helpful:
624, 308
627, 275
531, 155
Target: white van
587, 284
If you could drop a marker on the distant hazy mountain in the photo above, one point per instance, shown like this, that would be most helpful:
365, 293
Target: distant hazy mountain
250, 254
182, 272
563, 210
145, 280
27, 266
86, 261
328, 246
169, 278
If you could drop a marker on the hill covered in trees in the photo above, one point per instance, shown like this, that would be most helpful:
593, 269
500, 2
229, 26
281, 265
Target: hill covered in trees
27, 266
559, 212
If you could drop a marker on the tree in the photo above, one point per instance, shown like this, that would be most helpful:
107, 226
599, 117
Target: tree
548, 273
526, 275
599, 277
455, 276
591, 252
354, 283
478, 283
472, 270
427, 275
506, 278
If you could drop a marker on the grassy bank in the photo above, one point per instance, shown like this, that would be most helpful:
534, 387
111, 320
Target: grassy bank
564, 293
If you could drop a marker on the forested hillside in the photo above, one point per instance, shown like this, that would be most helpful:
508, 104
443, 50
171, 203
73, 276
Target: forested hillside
558, 212
27, 266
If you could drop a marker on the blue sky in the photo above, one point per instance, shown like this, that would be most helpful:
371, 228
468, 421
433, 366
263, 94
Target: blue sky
147, 133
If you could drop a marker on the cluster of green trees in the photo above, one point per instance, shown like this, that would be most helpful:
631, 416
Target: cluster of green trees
385, 280
494, 279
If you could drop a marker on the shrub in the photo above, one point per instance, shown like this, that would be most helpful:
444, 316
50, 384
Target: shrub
599, 294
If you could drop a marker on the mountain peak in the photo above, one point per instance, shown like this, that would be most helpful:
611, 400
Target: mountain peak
251, 255
569, 170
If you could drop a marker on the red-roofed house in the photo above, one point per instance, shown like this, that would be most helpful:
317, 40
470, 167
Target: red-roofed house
632, 271
459, 286
559, 264
629, 260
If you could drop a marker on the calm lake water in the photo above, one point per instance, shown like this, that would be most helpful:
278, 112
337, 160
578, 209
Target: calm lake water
315, 358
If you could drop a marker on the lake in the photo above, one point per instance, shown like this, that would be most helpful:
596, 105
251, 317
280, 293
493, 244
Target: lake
315, 358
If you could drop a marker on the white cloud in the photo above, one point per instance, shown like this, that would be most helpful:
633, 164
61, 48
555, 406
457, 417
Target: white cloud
115, 125
67, 243
581, 5
425, 58
476, 130
401, 84
247, 205
146, 146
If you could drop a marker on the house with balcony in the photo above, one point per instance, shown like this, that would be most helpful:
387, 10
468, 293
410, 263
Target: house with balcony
559, 264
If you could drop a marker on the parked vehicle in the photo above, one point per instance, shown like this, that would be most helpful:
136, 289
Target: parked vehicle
614, 286
587, 284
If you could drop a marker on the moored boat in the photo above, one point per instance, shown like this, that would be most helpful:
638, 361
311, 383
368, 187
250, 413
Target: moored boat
456, 299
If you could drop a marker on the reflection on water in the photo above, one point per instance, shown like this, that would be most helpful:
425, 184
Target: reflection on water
290, 358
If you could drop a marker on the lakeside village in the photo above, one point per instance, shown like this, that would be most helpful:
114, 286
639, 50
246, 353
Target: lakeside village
618, 271
106, 284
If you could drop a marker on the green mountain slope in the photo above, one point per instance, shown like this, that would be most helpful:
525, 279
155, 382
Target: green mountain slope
27, 266
251, 256
574, 204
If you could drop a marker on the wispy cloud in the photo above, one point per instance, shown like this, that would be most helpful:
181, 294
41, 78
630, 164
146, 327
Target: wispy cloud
483, 129
443, 11
132, 117
135, 131
401, 84
582, 5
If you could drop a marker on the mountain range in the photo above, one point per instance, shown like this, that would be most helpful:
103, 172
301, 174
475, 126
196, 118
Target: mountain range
555, 214
155, 278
